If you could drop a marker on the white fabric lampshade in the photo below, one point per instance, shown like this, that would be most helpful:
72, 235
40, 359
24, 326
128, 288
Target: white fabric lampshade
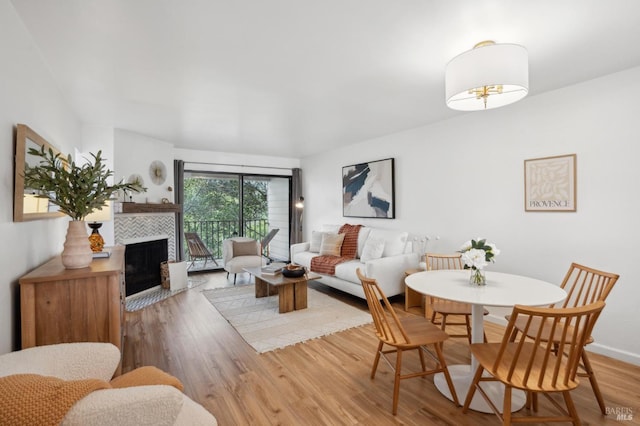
489, 65
102, 215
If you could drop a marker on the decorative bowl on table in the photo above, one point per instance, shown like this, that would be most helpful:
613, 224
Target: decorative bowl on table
293, 271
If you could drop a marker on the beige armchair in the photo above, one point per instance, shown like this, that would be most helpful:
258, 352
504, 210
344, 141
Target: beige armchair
137, 405
239, 253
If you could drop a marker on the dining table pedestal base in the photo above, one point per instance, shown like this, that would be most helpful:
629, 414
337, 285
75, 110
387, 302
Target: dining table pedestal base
462, 376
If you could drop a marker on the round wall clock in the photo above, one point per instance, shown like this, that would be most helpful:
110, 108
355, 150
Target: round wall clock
158, 172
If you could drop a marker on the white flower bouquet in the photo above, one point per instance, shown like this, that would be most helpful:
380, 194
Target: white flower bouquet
476, 254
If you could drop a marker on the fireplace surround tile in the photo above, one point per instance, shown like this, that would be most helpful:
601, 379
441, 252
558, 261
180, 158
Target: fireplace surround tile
146, 226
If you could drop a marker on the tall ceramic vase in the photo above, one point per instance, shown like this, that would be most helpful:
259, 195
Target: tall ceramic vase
77, 250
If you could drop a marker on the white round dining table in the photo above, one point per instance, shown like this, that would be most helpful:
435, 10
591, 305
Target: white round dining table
502, 289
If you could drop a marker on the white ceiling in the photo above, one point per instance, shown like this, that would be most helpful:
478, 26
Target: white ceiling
298, 77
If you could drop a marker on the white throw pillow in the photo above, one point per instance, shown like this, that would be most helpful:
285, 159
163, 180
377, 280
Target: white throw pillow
373, 249
331, 244
395, 241
316, 241
362, 239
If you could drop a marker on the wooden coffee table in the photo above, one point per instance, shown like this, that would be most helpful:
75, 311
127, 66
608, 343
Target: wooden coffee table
292, 292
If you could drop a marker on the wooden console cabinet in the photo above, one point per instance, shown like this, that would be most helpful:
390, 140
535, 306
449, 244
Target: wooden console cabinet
59, 305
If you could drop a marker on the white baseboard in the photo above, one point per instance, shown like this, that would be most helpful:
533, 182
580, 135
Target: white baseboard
595, 347
614, 353
496, 319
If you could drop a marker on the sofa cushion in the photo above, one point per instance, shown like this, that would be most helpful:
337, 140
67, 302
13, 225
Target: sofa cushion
373, 249
331, 244
316, 241
244, 248
347, 271
395, 241
303, 258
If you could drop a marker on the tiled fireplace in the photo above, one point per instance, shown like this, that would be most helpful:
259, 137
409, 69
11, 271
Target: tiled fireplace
150, 240
137, 227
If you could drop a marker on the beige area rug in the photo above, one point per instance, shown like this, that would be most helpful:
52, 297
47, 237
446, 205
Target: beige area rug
262, 327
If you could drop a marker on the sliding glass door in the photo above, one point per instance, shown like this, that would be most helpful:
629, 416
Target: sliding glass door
218, 206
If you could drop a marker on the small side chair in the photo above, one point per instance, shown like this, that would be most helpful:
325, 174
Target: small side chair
403, 334
584, 286
542, 366
239, 253
441, 309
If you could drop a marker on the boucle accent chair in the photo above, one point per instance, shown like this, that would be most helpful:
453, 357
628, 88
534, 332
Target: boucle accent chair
136, 405
239, 253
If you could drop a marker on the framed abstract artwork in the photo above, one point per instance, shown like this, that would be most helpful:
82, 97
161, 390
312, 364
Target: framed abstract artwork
550, 184
368, 190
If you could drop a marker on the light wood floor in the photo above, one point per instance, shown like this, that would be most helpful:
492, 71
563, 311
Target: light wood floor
324, 381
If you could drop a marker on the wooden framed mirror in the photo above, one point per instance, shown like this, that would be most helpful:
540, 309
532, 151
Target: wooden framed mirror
26, 206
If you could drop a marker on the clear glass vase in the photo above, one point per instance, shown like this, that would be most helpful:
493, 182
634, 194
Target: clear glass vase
477, 277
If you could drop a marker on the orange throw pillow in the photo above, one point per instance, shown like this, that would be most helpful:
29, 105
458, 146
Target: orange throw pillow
144, 376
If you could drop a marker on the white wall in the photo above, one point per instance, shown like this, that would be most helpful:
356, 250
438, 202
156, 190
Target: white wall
463, 178
27, 95
237, 163
134, 154
96, 137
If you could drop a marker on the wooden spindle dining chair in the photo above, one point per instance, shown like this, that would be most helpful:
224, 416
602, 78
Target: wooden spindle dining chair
403, 334
584, 286
440, 309
542, 366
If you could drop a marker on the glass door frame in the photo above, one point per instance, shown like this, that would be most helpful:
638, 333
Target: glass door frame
241, 193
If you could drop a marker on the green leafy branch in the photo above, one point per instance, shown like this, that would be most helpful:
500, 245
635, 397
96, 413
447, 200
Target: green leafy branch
76, 190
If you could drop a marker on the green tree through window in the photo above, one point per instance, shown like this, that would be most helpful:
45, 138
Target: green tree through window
212, 207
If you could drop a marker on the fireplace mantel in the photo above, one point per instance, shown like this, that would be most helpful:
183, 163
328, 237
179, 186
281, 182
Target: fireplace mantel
150, 208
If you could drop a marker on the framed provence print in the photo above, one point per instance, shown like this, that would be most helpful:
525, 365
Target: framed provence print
550, 184
368, 190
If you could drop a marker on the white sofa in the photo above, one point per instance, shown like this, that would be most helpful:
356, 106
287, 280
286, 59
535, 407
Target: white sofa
389, 269
138, 405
